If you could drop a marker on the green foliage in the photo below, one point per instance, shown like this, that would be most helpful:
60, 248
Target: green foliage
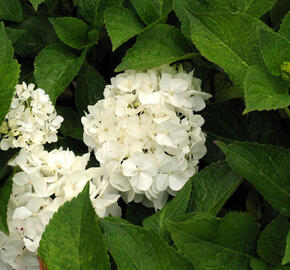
275, 50
284, 27
5, 190
9, 72
207, 243
71, 126
72, 31
11, 10
224, 121
286, 258
158, 45
272, 241
55, 67
122, 24
206, 191
266, 167
89, 89
39, 33
151, 10
217, 38
74, 233
135, 248
36, 3
240, 50
14, 34
264, 91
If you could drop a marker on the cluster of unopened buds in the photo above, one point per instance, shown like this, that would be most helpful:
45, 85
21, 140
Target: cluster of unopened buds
145, 134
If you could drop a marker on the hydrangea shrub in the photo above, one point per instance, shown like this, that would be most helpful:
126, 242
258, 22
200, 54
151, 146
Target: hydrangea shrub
144, 134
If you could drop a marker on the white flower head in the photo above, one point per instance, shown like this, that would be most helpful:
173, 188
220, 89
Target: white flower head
145, 132
31, 119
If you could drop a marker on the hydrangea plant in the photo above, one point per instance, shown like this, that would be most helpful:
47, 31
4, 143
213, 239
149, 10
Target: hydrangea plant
147, 134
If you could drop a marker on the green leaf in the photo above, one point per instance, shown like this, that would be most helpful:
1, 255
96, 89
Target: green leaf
258, 8
286, 258
257, 264
14, 34
36, 3
212, 187
206, 191
134, 247
55, 67
71, 126
11, 10
5, 190
231, 40
89, 89
158, 45
275, 50
122, 24
39, 33
74, 233
266, 167
224, 121
264, 91
284, 27
212, 243
92, 11
173, 209
253, 8
9, 73
272, 241
72, 31
87, 9
152, 10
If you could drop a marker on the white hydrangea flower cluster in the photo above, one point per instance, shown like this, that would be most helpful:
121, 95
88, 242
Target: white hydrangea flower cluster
146, 134
32, 119
46, 180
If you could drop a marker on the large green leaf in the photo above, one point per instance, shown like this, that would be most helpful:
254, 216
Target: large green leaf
122, 24
5, 190
9, 73
55, 67
266, 167
89, 89
272, 241
152, 10
136, 248
39, 33
286, 257
11, 10
72, 31
71, 126
158, 45
212, 243
228, 39
224, 120
275, 50
264, 91
207, 191
73, 240
284, 27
